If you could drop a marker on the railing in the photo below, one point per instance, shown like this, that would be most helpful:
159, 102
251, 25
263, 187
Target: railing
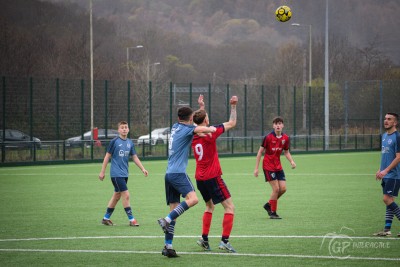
47, 152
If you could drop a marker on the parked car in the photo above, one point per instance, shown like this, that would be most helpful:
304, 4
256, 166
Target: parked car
158, 136
18, 139
77, 140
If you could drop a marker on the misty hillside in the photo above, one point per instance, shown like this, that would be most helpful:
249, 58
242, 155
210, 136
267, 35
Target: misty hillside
222, 21
199, 40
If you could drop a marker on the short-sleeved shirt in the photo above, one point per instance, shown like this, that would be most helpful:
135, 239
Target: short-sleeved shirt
390, 146
206, 155
178, 148
273, 149
121, 150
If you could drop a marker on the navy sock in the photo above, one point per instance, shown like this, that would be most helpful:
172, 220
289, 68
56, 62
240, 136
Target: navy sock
181, 208
170, 235
395, 209
108, 214
388, 218
128, 211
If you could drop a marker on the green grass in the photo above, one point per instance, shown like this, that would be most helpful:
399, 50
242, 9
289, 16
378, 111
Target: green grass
51, 216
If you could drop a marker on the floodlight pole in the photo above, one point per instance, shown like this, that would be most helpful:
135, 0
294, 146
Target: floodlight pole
91, 71
326, 106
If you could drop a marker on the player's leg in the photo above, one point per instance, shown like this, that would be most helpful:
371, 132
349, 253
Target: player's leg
282, 187
273, 201
227, 225
390, 192
205, 191
112, 203
270, 177
110, 209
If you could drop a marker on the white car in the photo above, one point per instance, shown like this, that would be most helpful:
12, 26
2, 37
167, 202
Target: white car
158, 136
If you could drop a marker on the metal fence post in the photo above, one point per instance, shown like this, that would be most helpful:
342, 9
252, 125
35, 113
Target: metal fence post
294, 116
3, 150
279, 100
262, 110
129, 106
58, 114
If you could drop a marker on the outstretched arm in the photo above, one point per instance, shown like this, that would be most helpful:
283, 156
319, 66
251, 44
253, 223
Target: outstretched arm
200, 100
232, 119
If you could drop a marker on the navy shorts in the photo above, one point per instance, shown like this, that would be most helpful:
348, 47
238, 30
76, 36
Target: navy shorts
177, 184
391, 186
120, 183
272, 176
214, 189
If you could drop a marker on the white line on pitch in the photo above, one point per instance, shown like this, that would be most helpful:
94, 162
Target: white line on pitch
202, 253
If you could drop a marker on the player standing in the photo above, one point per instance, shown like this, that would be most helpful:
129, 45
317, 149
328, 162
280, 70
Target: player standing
389, 171
208, 176
119, 151
177, 182
272, 146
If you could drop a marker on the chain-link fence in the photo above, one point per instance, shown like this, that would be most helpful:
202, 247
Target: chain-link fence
56, 111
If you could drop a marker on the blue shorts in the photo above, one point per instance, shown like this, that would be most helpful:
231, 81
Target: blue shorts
214, 189
391, 186
177, 184
272, 176
120, 183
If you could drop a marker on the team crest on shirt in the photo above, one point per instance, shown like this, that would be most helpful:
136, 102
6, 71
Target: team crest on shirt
389, 141
283, 142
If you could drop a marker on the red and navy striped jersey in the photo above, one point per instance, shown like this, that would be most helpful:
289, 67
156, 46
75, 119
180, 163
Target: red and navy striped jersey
273, 147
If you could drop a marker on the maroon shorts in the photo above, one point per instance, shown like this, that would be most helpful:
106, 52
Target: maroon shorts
214, 189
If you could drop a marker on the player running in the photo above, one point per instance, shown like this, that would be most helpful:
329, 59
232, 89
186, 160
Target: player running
208, 176
272, 146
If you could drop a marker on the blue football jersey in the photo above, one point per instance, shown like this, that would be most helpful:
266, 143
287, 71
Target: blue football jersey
121, 150
179, 146
390, 146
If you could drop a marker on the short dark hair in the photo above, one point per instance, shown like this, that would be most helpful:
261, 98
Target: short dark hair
199, 116
122, 123
277, 119
394, 114
184, 113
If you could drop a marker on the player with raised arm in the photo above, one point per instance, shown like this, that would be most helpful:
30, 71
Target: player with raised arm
119, 151
272, 146
389, 171
177, 182
209, 176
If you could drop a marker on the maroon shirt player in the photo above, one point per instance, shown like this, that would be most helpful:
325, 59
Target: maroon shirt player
272, 146
208, 176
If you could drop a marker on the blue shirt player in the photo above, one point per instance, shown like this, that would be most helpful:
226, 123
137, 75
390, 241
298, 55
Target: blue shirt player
177, 182
389, 171
119, 151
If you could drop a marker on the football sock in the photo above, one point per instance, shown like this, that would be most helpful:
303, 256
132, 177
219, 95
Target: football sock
395, 209
207, 217
128, 211
170, 235
388, 218
274, 204
108, 214
227, 225
175, 213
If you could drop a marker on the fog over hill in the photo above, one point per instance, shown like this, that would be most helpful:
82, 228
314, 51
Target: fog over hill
362, 22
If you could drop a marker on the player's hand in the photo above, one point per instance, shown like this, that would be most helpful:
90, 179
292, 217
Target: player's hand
201, 101
234, 100
379, 175
101, 176
145, 172
213, 129
256, 173
293, 164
